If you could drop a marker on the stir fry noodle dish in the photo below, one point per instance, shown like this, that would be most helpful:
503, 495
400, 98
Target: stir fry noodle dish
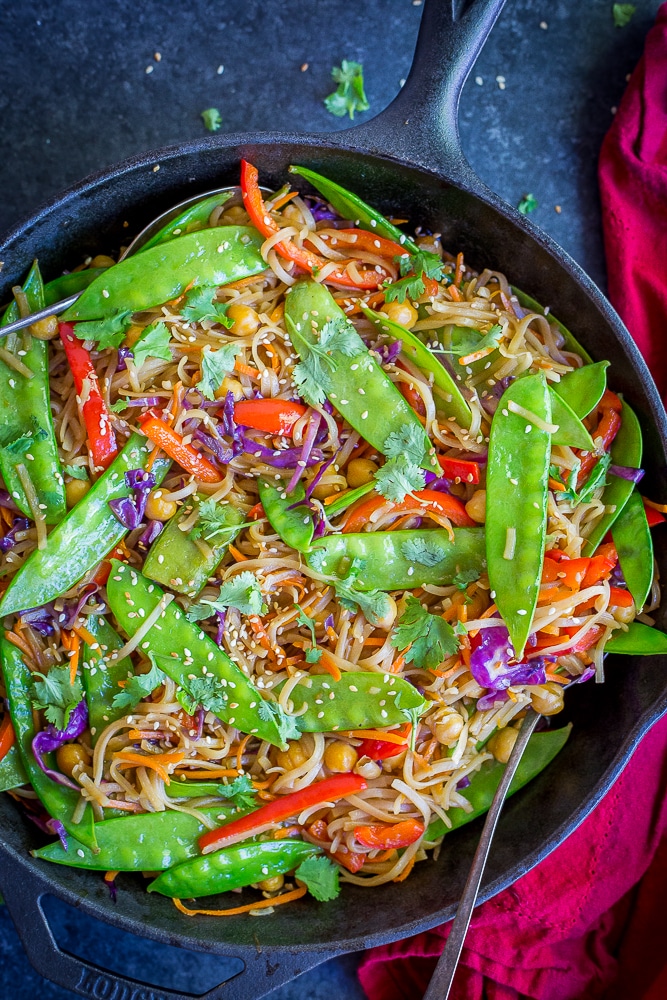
299, 515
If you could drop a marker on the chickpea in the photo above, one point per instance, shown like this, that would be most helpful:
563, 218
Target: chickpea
271, 884
622, 614
388, 619
547, 698
75, 490
102, 261
159, 509
340, 756
70, 756
502, 742
293, 757
476, 506
45, 329
360, 471
132, 334
467, 681
448, 729
230, 385
246, 320
324, 490
234, 216
401, 312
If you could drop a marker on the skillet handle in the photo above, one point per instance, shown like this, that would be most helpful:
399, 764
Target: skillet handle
23, 893
421, 124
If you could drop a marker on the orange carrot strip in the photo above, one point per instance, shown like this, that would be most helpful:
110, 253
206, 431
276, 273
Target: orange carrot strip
330, 665
161, 434
454, 293
459, 269
239, 753
244, 369
279, 202
74, 657
157, 762
238, 556
19, 642
206, 773
398, 736
287, 897
84, 634
406, 871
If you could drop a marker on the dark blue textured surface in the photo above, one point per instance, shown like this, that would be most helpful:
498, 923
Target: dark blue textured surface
75, 96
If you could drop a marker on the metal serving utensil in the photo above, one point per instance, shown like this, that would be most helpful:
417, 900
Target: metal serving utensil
56, 308
443, 976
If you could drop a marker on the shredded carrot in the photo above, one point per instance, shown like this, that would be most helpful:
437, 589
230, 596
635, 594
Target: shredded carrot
6, 516
207, 773
489, 611
110, 876
244, 369
374, 641
555, 678
330, 665
19, 642
454, 293
238, 556
556, 487
335, 496
179, 298
384, 855
279, 202
275, 360
406, 871
261, 785
244, 282
290, 831
277, 313
476, 356
87, 636
399, 662
75, 646
239, 753
130, 807
287, 897
158, 762
459, 268
398, 736
154, 455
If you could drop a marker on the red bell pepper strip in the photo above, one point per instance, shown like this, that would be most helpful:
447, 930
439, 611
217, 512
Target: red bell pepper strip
385, 837
363, 240
619, 598
600, 565
7, 736
460, 469
304, 258
380, 749
588, 640
329, 790
350, 859
93, 409
275, 416
609, 409
653, 516
423, 501
166, 438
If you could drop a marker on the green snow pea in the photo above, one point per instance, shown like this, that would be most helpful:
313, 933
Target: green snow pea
27, 435
360, 390
348, 498
59, 801
350, 206
191, 219
69, 284
541, 750
571, 342
184, 789
83, 539
448, 398
460, 341
147, 279
571, 431
639, 640
634, 544
232, 868
139, 842
583, 388
516, 489
356, 701
384, 564
12, 771
100, 674
181, 645
176, 561
626, 449
296, 526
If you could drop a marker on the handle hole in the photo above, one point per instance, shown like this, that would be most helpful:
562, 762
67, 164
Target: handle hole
151, 962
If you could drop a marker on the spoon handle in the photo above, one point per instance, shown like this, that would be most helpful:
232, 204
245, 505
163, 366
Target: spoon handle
55, 309
443, 976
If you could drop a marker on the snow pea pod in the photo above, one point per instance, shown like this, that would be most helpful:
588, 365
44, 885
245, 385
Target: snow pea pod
210, 257
12, 771
27, 435
582, 388
59, 802
84, 538
360, 390
517, 491
184, 651
384, 564
571, 432
634, 544
350, 206
69, 284
571, 342
295, 526
190, 220
540, 751
232, 868
139, 842
348, 498
184, 789
638, 640
101, 674
448, 398
626, 449
356, 701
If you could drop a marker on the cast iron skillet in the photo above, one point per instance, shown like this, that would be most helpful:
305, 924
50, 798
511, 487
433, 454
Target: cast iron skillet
408, 160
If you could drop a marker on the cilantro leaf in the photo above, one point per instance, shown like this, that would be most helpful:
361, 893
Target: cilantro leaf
199, 305
596, 479
138, 687
422, 550
153, 343
398, 477
288, 725
338, 334
622, 13
212, 119
527, 204
207, 691
213, 523
240, 791
108, 332
76, 471
374, 604
119, 406
408, 443
313, 655
54, 693
214, 366
349, 95
413, 267
412, 286
320, 876
430, 637
312, 375
465, 576
474, 341
241, 592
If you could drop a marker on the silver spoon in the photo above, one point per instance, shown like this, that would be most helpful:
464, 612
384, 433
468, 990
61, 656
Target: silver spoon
443, 976
56, 308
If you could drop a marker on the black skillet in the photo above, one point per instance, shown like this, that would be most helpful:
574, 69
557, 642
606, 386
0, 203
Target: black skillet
407, 160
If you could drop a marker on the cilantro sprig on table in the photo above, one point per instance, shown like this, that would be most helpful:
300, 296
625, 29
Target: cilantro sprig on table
431, 639
527, 204
312, 375
349, 96
212, 119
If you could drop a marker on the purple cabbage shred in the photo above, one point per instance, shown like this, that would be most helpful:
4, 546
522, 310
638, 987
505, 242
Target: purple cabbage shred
149, 534
463, 782
50, 739
72, 609
627, 472
9, 541
130, 510
40, 619
221, 616
123, 354
56, 827
6, 501
494, 667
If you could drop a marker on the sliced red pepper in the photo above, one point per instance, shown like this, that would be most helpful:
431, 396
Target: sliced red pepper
328, 790
609, 408
653, 516
380, 749
166, 438
104, 569
459, 468
275, 416
7, 736
365, 240
349, 859
93, 409
304, 258
423, 501
601, 565
588, 640
619, 598
385, 837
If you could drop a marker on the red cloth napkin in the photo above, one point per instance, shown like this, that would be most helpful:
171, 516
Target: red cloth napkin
588, 922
